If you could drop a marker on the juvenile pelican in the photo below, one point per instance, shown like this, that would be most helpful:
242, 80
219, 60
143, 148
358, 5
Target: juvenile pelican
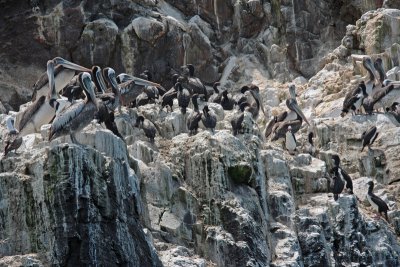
77, 116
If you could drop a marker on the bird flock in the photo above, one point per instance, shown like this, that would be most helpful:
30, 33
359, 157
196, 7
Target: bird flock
70, 102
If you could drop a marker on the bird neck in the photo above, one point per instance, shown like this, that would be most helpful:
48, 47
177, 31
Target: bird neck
195, 105
370, 188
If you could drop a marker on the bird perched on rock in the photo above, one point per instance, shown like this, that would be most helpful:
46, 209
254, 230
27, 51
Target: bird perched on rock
368, 137
208, 118
309, 147
354, 99
376, 202
337, 187
183, 97
148, 127
290, 141
194, 117
216, 96
342, 174
227, 102
11, 139
238, 118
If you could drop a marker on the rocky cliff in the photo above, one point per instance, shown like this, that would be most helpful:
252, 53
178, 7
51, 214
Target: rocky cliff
212, 199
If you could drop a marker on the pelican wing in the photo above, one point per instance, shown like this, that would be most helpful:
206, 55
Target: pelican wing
27, 113
66, 117
43, 81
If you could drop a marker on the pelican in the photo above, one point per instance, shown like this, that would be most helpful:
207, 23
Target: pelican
11, 139
62, 74
194, 117
254, 99
293, 115
77, 116
112, 100
369, 66
279, 129
379, 67
192, 83
385, 96
42, 110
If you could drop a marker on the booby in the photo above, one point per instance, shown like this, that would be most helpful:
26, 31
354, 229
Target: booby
295, 116
376, 202
148, 127
368, 137
62, 73
192, 83
342, 174
77, 116
209, 119
216, 96
238, 118
11, 140
290, 141
354, 99
227, 102
337, 187
42, 110
194, 117
183, 96
378, 64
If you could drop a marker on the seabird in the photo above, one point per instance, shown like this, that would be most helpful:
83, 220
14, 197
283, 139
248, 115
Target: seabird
193, 83
183, 96
11, 140
42, 110
369, 66
227, 102
309, 147
238, 118
295, 117
368, 137
376, 202
168, 98
142, 99
342, 174
354, 99
112, 100
253, 99
147, 126
194, 117
385, 96
209, 119
394, 110
77, 116
290, 141
62, 73
379, 67
337, 188
216, 96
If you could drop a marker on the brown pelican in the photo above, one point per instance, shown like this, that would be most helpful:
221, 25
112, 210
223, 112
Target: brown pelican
11, 140
194, 117
237, 120
42, 110
376, 202
147, 126
62, 74
209, 119
253, 97
77, 116
293, 115
290, 141
216, 96
385, 96
368, 137
369, 66
227, 102
112, 100
183, 97
192, 83
379, 67
354, 99
280, 128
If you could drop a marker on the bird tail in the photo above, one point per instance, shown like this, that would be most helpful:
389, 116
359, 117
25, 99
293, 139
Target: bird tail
335, 197
183, 110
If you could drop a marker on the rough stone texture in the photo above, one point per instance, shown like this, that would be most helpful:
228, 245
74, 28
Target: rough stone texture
212, 199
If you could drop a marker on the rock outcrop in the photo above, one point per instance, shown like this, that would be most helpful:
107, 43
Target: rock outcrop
210, 199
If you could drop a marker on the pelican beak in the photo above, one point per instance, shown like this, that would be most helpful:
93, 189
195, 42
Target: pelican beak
297, 109
69, 65
394, 83
143, 82
367, 63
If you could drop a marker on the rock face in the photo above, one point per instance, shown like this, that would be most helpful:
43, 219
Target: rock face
210, 199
